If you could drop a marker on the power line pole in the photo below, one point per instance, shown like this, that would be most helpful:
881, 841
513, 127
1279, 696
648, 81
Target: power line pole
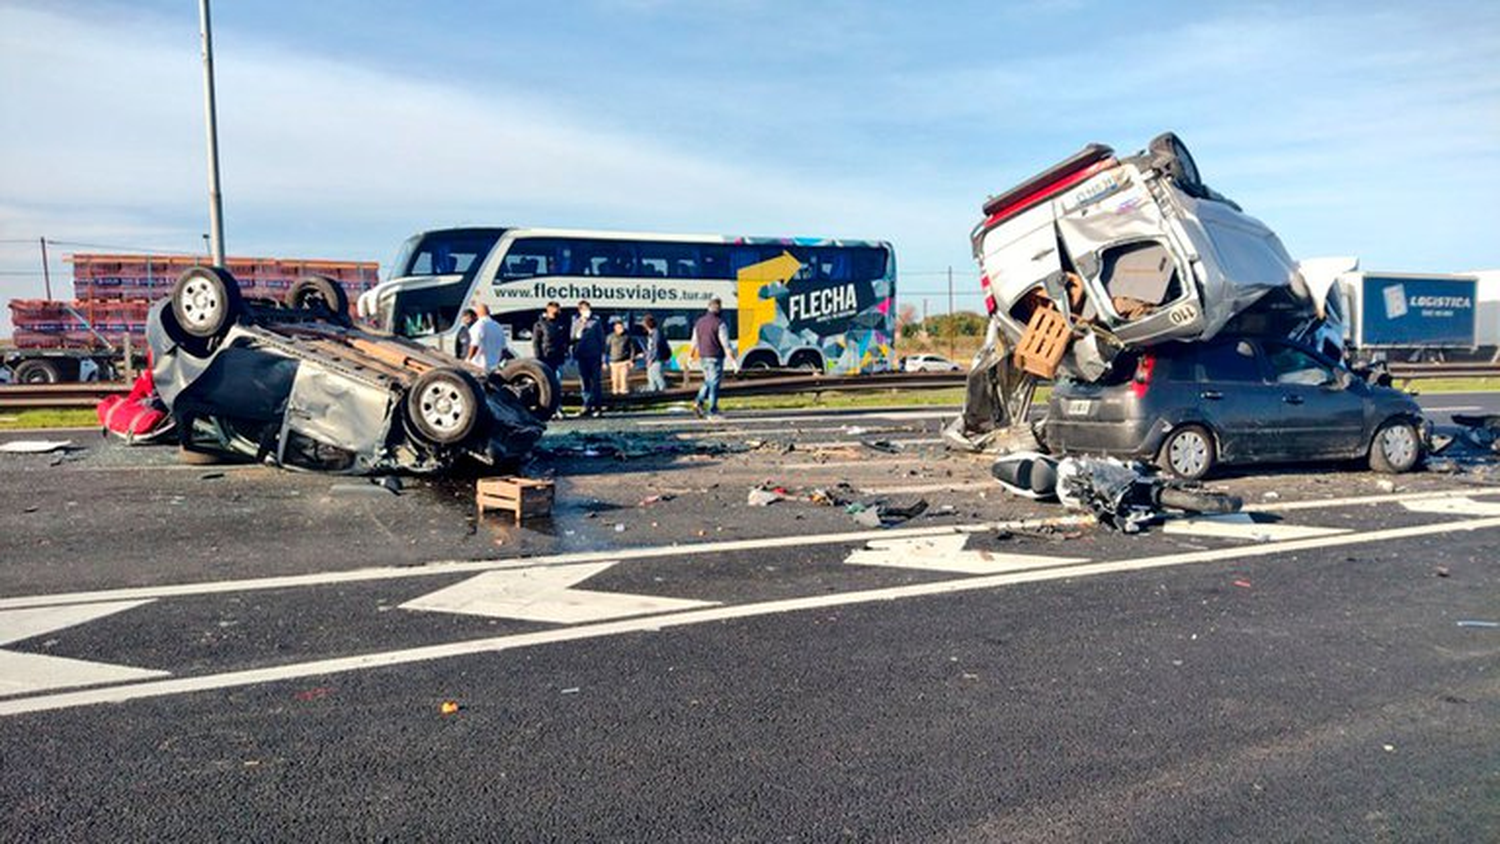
46, 271
952, 318
211, 119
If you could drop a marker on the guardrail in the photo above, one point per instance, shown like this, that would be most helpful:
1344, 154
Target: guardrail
23, 396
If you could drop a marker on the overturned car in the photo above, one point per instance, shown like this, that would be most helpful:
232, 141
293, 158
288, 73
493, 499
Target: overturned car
1102, 254
294, 382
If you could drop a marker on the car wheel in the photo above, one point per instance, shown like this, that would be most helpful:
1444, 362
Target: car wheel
1188, 453
315, 292
37, 372
1396, 448
536, 384
205, 302
443, 405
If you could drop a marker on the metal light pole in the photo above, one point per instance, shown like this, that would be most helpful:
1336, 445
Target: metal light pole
46, 270
215, 201
952, 317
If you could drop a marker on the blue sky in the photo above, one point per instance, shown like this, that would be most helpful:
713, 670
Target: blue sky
1368, 129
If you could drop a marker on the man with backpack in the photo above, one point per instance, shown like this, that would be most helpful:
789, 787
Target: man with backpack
658, 352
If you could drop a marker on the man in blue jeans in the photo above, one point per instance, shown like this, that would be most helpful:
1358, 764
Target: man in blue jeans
710, 347
588, 350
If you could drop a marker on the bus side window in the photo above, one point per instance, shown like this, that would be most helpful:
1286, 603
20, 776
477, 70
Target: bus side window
676, 327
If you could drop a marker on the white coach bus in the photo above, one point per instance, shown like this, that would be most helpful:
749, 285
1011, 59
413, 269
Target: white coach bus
824, 305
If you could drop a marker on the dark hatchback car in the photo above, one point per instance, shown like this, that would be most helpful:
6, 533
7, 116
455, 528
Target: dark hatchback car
1189, 407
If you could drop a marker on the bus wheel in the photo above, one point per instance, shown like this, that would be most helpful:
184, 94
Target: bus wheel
761, 361
807, 361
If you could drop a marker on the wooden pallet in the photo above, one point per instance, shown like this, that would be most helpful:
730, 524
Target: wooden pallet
1045, 342
525, 497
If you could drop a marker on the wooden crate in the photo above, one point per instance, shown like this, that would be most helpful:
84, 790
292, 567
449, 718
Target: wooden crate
525, 497
1045, 342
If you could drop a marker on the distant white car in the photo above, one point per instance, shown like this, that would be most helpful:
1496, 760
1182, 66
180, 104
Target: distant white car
930, 363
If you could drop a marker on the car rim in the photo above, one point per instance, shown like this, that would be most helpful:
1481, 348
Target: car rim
1189, 454
200, 302
1398, 444
443, 407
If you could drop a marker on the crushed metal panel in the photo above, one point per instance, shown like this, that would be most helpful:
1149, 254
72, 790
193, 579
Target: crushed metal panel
337, 410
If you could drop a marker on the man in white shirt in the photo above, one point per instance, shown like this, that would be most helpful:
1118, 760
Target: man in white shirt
486, 339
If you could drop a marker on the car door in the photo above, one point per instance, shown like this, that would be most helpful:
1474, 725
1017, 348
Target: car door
1233, 395
1320, 416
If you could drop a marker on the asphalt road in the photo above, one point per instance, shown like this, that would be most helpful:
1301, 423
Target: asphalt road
241, 653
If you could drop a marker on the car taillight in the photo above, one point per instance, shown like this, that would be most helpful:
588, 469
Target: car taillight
1142, 381
989, 295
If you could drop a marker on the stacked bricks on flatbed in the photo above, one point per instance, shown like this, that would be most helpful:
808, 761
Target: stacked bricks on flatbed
114, 294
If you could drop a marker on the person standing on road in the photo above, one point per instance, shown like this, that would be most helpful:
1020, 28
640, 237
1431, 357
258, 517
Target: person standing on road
549, 339
621, 348
588, 351
711, 349
658, 352
486, 339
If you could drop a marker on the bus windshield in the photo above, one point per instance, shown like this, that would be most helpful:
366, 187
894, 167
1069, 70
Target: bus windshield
444, 252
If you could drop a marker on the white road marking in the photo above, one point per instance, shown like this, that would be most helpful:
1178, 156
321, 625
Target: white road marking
26, 673
1391, 498
325, 667
947, 553
545, 594
1242, 526
1461, 408
1462, 505
473, 566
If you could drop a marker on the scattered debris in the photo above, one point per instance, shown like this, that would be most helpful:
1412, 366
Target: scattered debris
1440, 571
763, 497
1242, 583
883, 446
35, 446
449, 707
655, 499
1473, 623
526, 498
211, 476
571, 691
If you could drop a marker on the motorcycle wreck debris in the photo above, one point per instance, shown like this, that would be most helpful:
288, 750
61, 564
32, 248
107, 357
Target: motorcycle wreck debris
1122, 496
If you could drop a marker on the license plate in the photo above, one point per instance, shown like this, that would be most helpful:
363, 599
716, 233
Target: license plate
1080, 407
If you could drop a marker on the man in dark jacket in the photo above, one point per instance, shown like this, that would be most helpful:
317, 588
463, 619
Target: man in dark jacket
711, 348
588, 351
549, 339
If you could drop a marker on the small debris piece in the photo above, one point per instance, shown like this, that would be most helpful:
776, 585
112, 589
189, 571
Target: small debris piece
883, 446
1243, 584
1440, 571
316, 693
391, 483
1472, 623
1271, 496
571, 691
762, 497
359, 490
448, 707
1386, 485
210, 476
34, 446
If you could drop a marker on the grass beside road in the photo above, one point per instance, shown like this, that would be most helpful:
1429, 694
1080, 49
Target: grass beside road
69, 417
1430, 386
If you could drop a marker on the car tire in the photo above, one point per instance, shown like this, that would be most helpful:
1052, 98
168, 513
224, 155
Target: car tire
443, 405
1395, 448
205, 302
536, 384
318, 293
1188, 453
38, 372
